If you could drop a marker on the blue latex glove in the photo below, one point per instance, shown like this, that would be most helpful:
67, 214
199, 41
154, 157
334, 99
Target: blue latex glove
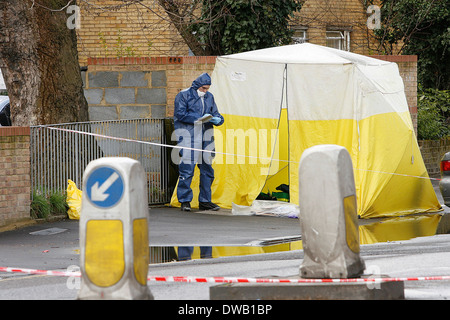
215, 120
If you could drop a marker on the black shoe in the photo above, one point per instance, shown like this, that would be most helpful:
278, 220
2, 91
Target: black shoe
185, 206
208, 206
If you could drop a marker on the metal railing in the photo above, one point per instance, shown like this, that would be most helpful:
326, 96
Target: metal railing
61, 152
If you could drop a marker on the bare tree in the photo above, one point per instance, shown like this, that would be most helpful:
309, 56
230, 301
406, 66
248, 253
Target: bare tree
214, 27
182, 14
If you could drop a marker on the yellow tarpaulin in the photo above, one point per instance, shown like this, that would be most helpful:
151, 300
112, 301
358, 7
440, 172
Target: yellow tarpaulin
73, 200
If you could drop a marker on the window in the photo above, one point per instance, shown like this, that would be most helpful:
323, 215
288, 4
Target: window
338, 39
300, 35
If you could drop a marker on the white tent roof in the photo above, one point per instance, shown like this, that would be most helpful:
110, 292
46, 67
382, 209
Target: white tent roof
321, 81
305, 53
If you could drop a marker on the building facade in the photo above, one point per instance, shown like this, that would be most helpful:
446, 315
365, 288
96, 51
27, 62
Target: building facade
139, 42
144, 29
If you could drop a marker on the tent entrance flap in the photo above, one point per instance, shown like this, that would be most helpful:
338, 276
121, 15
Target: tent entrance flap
278, 173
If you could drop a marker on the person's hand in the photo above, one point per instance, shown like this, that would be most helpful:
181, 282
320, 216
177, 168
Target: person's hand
215, 120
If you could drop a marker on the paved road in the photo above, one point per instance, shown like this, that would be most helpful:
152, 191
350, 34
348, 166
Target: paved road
425, 256
54, 246
171, 227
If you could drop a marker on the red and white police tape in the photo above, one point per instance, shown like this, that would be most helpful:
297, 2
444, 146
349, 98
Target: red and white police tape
191, 279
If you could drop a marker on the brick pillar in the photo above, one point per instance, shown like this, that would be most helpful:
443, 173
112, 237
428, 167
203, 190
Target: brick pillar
14, 175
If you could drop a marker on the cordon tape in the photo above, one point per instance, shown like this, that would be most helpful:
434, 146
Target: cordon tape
216, 152
192, 279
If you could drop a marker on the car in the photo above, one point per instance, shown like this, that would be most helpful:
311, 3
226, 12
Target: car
444, 184
5, 113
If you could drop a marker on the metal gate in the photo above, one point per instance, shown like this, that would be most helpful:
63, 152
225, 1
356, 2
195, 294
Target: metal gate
61, 152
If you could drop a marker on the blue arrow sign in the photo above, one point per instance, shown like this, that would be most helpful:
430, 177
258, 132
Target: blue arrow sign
104, 187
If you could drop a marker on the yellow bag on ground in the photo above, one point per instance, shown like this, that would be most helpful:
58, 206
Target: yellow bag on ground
73, 200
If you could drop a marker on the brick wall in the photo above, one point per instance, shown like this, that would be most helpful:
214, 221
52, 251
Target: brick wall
320, 16
108, 30
14, 174
432, 153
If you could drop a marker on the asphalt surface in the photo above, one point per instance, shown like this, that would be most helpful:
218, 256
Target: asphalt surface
171, 227
55, 246
424, 256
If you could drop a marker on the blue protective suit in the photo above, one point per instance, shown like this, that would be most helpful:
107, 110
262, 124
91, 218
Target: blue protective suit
189, 107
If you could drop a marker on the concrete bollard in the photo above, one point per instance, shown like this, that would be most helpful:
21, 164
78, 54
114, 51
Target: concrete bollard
114, 244
328, 214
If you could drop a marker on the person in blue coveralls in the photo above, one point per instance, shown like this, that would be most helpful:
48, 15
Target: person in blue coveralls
194, 116
191, 105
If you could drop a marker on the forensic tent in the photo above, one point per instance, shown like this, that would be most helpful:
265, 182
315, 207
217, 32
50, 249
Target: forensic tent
277, 102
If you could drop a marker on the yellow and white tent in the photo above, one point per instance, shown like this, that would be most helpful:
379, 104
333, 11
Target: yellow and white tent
277, 102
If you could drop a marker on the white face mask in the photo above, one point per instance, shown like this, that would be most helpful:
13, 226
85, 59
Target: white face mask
200, 93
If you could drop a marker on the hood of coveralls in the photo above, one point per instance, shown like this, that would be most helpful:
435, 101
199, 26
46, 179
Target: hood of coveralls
203, 80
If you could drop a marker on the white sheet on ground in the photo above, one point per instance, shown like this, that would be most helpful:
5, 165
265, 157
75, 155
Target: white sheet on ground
267, 207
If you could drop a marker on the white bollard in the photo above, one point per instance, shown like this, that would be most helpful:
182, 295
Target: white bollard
114, 244
328, 214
